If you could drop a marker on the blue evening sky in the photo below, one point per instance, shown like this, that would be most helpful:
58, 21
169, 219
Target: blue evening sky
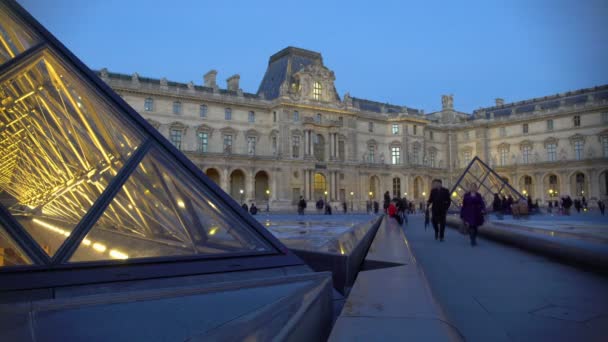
401, 52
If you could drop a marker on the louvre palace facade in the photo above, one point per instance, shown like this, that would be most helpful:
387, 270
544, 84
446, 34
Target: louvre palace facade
297, 136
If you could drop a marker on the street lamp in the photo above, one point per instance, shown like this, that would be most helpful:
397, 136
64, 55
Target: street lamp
370, 195
352, 199
241, 191
267, 200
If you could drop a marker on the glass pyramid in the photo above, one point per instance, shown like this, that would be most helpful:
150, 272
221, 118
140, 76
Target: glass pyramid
85, 181
487, 180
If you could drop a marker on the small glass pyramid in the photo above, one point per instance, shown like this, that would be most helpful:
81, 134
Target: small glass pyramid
488, 182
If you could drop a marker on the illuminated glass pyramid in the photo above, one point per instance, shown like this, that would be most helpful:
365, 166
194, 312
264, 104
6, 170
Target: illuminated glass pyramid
86, 182
487, 180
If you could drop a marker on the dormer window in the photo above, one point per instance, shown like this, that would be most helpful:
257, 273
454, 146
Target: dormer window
316, 90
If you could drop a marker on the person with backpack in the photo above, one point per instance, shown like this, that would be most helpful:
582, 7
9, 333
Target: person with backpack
472, 212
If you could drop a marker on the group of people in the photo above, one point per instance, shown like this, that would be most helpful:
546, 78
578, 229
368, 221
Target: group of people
253, 210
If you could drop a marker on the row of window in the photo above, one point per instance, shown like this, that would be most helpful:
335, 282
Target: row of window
576, 120
551, 148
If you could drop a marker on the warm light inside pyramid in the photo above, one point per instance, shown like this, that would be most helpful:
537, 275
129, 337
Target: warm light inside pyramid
63, 145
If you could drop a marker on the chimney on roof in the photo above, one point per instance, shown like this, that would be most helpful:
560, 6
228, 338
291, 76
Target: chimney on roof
232, 83
499, 102
210, 79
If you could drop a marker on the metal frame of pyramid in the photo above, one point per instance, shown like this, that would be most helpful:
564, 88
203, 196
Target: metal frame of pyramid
49, 270
481, 173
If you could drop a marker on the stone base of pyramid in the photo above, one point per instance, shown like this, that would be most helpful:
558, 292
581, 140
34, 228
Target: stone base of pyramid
289, 303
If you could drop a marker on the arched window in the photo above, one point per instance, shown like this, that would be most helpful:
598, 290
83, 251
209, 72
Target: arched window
316, 90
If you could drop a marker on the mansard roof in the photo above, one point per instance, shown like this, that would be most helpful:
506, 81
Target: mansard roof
377, 107
547, 102
283, 65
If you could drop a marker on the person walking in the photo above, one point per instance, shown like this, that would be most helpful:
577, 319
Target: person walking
439, 200
301, 205
320, 205
344, 206
245, 207
497, 206
601, 206
472, 211
387, 201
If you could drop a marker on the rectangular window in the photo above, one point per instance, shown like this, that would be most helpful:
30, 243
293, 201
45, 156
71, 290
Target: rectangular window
605, 145
177, 107
149, 104
605, 118
274, 116
466, 156
578, 149
274, 146
432, 158
395, 155
251, 116
415, 130
504, 155
370, 126
577, 121
396, 187
549, 125
176, 137
466, 136
341, 150
340, 121
295, 145
431, 135
371, 150
416, 155
251, 145
395, 129
551, 152
227, 143
316, 91
203, 142
202, 111
318, 118
296, 116
228, 114
502, 131
525, 128
525, 153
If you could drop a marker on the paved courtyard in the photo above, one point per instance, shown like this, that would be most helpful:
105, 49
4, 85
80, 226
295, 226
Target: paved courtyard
495, 292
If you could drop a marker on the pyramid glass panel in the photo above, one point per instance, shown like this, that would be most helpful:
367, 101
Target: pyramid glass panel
488, 183
60, 148
10, 253
14, 38
159, 212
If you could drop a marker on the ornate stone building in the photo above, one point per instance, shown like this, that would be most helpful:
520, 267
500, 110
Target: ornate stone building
297, 136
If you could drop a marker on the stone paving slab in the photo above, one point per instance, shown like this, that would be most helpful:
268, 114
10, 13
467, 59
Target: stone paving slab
393, 303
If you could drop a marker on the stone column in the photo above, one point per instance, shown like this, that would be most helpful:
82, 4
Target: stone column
250, 186
305, 143
225, 182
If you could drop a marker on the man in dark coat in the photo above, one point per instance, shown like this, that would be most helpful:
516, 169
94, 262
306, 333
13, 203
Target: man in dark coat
301, 205
439, 200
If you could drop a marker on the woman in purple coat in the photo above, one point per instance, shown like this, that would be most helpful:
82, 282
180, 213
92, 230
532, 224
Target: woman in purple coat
472, 211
